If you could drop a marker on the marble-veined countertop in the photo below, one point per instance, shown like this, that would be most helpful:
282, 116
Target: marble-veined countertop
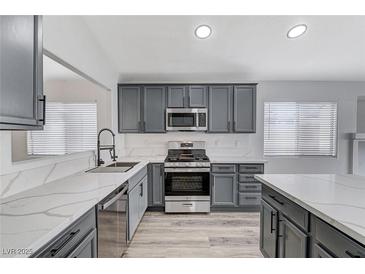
337, 199
30, 219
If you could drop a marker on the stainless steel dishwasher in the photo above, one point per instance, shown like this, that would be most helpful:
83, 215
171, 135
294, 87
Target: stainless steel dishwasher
113, 223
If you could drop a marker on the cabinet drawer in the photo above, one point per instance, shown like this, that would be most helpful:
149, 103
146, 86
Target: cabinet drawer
251, 168
291, 210
64, 244
224, 168
335, 241
247, 178
249, 199
319, 252
137, 178
249, 187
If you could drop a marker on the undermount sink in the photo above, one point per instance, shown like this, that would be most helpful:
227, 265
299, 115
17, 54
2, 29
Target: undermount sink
117, 167
123, 164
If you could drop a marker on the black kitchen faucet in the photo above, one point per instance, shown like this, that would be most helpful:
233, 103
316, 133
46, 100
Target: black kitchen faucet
106, 147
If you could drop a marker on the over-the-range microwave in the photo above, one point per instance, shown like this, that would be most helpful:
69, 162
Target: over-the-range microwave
186, 119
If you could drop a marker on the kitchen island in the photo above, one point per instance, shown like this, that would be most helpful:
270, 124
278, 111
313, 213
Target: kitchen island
312, 215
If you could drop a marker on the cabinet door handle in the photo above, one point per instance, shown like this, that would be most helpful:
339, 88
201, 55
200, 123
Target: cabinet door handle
276, 200
352, 255
141, 192
43, 100
161, 170
64, 242
190, 205
272, 229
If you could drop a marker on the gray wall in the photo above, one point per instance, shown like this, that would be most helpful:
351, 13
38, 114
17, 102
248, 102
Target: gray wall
251, 145
361, 115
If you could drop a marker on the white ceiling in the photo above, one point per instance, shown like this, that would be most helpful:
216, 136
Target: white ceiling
241, 48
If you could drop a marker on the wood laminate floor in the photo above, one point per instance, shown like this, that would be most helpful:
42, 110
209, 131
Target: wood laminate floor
214, 235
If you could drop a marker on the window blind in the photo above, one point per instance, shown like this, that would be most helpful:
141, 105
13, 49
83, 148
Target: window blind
300, 129
70, 127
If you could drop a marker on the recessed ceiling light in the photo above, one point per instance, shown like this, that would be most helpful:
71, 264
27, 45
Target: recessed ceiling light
203, 31
297, 31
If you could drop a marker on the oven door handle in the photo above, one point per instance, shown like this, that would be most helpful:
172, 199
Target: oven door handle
185, 169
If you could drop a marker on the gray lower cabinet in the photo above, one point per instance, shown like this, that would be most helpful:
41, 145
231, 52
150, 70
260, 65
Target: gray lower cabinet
232, 189
87, 248
330, 242
244, 109
176, 97
284, 225
137, 201
285, 232
198, 96
319, 252
268, 230
293, 242
156, 185
133, 210
22, 104
129, 109
220, 109
224, 189
154, 105
76, 241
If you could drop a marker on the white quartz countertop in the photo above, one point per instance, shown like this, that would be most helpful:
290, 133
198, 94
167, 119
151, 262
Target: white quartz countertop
30, 219
337, 199
235, 159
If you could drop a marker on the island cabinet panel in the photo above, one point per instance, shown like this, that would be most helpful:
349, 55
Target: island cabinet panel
156, 184
293, 242
288, 223
268, 231
333, 242
78, 240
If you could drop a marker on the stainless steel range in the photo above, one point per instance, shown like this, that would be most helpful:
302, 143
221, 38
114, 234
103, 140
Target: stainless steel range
187, 178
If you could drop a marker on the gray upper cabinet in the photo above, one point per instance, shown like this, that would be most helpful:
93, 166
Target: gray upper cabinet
176, 97
244, 109
197, 96
224, 189
156, 185
22, 104
154, 109
231, 108
220, 110
129, 103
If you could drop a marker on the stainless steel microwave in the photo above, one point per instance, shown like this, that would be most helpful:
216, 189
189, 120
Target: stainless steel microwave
186, 119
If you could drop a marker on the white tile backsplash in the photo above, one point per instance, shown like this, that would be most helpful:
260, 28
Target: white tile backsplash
217, 144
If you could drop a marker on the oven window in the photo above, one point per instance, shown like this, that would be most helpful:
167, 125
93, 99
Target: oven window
181, 119
187, 183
